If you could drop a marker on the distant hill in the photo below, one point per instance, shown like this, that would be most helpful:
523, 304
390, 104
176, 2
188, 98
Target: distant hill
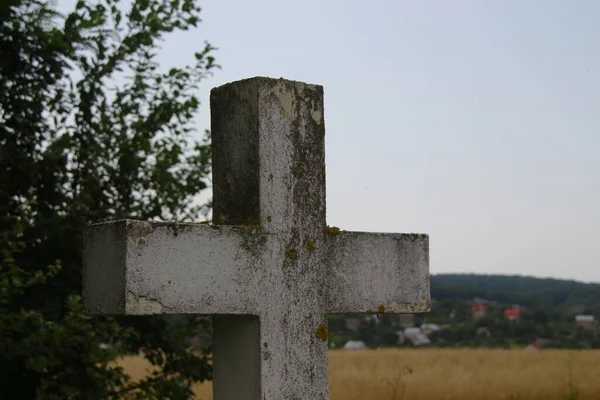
513, 289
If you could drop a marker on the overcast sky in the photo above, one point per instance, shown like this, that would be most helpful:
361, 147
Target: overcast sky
476, 122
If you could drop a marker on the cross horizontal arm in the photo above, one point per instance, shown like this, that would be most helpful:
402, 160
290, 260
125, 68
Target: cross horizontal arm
378, 272
138, 268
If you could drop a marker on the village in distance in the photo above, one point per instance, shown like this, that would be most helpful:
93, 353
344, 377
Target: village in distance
484, 311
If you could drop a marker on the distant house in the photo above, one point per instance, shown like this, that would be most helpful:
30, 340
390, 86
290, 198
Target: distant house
483, 331
512, 314
534, 346
479, 310
490, 303
586, 322
411, 331
416, 337
428, 329
352, 324
354, 345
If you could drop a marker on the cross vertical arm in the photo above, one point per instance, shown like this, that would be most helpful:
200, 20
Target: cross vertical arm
269, 168
268, 140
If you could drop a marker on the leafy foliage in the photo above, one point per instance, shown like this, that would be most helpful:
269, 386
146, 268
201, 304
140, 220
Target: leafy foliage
49, 352
91, 129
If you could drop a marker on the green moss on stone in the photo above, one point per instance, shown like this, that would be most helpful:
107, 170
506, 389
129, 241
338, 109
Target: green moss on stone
291, 254
322, 332
333, 230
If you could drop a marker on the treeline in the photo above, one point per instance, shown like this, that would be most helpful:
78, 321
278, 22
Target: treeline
523, 290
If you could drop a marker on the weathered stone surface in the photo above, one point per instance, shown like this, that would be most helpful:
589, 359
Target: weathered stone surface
270, 279
269, 154
371, 271
163, 268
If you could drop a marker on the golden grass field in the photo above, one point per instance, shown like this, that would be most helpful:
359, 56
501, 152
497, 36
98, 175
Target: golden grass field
444, 374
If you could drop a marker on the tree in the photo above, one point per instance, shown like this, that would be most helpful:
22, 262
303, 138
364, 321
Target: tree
91, 129
367, 331
540, 316
388, 336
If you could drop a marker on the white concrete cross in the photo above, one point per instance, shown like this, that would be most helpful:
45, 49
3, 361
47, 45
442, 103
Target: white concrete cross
269, 270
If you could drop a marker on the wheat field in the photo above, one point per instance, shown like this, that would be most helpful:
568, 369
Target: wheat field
450, 374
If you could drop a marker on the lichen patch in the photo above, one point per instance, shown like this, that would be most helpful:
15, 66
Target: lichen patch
317, 116
139, 231
322, 332
286, 99
291, 254
333, 230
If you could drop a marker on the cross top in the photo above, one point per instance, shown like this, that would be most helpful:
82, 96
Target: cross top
269, 269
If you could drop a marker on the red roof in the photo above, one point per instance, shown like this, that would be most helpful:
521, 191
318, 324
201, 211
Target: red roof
479, 307
512, 312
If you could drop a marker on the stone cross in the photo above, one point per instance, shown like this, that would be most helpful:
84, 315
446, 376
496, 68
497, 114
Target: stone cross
268, 269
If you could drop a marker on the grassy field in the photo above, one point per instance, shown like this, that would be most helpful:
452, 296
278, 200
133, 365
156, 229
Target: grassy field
440, 374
